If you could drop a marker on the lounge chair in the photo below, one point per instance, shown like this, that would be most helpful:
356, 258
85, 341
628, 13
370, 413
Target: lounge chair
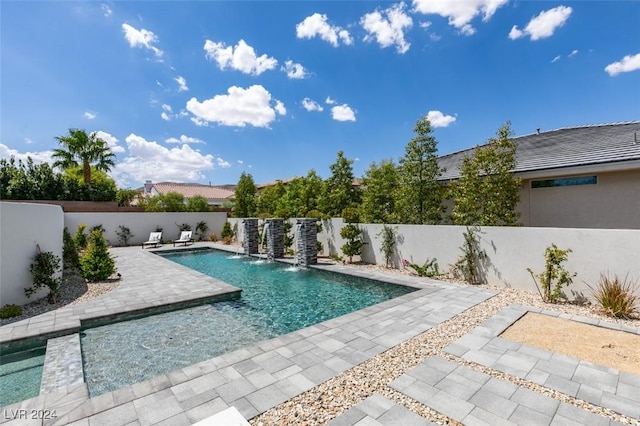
155, 238
185, 237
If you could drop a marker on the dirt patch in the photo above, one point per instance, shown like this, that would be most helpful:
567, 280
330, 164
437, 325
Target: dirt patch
611, 348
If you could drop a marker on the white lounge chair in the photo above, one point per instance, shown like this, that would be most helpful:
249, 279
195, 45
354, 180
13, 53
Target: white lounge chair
185, 237
155, 238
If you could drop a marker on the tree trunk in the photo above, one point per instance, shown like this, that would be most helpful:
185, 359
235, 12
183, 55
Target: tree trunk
86, 171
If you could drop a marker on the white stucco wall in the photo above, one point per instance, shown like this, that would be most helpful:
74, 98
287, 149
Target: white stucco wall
22, 226
142, 224
510, 250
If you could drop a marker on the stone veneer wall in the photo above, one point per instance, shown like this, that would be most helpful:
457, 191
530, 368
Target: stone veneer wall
250, 235
275, 238
306, 242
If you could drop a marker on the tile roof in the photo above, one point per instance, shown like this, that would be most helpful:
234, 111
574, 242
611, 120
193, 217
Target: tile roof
192, 189
566, 147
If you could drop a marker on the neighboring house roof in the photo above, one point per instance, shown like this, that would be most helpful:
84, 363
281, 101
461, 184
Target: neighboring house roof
192, 189
570, 147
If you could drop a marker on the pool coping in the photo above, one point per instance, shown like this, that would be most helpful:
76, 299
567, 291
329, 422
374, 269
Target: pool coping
255, 378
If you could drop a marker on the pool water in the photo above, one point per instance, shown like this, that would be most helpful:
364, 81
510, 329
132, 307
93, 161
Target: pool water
20, 375
275, 300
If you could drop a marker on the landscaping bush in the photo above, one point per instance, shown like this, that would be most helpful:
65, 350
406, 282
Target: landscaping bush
80, 238
70, 257
388, 234
10, 311
97, 264
227, 232
44, 267
124, 235
353, 234
429, 269
615, 296
550, 282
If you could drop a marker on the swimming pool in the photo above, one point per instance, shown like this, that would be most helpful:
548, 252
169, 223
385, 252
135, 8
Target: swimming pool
275, 300
20, 375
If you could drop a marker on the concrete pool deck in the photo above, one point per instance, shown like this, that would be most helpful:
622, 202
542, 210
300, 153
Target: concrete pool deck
257, 378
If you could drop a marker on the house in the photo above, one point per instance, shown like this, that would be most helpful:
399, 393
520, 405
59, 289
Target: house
575, 177
216, 195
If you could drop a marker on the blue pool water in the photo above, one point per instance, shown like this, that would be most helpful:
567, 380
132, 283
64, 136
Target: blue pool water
20, 375
275, 300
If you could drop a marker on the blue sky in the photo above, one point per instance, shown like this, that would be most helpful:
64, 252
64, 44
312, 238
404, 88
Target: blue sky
202, 91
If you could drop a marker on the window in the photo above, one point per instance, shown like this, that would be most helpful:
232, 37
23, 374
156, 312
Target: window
570, 181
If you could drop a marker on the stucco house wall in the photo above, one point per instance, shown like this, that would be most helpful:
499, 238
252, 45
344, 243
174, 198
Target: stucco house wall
22, 227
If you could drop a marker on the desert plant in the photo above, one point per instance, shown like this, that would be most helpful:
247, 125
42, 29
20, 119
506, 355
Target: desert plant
124, 235
80, 238
70, 258
227, 240
388, 234
353, 234
10, 311
201, 229
213, 237
550, 282
429, 269
227, 232
183, 226
469, 265
336, 257
96, 263
615, 295
45, 265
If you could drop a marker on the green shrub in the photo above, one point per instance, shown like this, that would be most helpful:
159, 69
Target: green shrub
70, 257
353, 234
429, 269
615, 296
554, 276
201, 229
10, 311
44, 267
388, 234
351, 215
470, 265
213, 237
80, 238
124, 235
227, 232
97, 264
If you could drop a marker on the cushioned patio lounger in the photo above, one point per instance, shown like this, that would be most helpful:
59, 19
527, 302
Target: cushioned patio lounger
155, 238
185, 237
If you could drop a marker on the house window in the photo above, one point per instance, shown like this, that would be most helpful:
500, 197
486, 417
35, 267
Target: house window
570, 181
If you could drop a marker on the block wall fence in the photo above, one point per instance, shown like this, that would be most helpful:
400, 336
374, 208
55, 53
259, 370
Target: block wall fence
510, 250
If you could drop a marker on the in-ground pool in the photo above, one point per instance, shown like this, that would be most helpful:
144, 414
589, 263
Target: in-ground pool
20, 375
275, 300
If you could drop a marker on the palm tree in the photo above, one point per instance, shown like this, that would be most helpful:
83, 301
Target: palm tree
83, 150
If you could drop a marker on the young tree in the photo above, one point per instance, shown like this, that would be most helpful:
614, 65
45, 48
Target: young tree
97, 264
267, 200
419, 195
197, 203
245, 198
487, 193
379, 186
124, 197
80, 149
339, 192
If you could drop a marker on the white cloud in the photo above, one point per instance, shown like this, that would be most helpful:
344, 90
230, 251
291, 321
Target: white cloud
343, 113
223, 164
141, 38
167, 108
543, 25
106, 10
279, 107
388, 27
438, 119
182, 84
37, 157
627, 64
150, 160
184, 139
89, 115
311, 105
240, 162
295, 71
573, 53
111, 141
165, 116
329, 101
318, 25
425, 24
242, 58
556, 59
238, 107
460, 12
28, 141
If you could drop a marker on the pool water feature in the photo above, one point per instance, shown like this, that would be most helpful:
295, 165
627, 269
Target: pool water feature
275, 300
21, 375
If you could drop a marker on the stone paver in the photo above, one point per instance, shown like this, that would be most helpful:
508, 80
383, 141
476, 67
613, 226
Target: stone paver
246, 378
489, 400
377, 410
596, 384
